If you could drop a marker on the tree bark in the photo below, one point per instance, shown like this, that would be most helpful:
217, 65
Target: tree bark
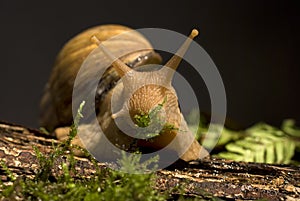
220, 178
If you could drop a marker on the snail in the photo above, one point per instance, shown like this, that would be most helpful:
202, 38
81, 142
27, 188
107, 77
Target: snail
56, 102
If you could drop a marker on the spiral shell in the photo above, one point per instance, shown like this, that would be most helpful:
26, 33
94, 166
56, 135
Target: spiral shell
56, 102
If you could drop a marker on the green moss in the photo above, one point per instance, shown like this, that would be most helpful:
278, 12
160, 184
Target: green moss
106, 184
153, 121
142, 119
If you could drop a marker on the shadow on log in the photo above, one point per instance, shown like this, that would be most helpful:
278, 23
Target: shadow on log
224, 179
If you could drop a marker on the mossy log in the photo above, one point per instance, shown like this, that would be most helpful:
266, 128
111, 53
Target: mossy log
211, 177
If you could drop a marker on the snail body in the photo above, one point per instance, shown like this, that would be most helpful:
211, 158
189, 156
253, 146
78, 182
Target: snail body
137, 96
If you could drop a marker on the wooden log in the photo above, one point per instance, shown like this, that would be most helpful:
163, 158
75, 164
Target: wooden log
217, 177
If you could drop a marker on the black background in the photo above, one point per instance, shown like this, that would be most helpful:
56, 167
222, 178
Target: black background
254, 44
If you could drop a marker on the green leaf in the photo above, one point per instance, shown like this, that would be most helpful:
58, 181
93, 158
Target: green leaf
262, 143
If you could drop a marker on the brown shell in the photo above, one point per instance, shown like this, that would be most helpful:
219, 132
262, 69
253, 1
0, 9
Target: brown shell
56, 103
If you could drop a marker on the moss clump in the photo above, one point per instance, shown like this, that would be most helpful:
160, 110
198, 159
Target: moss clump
105, 184
153, 121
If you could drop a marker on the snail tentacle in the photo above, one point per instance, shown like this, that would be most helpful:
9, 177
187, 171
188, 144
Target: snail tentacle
173, 63
120, 66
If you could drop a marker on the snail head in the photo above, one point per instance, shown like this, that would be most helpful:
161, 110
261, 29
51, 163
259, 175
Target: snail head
149, 92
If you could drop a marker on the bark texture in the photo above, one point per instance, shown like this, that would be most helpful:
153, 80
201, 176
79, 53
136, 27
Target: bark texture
212, 177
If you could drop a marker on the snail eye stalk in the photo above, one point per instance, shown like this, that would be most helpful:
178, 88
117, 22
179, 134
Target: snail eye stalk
120, 66
173, 63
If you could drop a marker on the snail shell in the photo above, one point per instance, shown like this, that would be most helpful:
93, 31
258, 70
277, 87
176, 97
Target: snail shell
56, 104
55, 107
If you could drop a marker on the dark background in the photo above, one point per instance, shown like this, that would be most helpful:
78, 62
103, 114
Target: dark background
254, 44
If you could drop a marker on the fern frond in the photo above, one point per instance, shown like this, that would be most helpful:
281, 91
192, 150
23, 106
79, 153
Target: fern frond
260, 143
263, 144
